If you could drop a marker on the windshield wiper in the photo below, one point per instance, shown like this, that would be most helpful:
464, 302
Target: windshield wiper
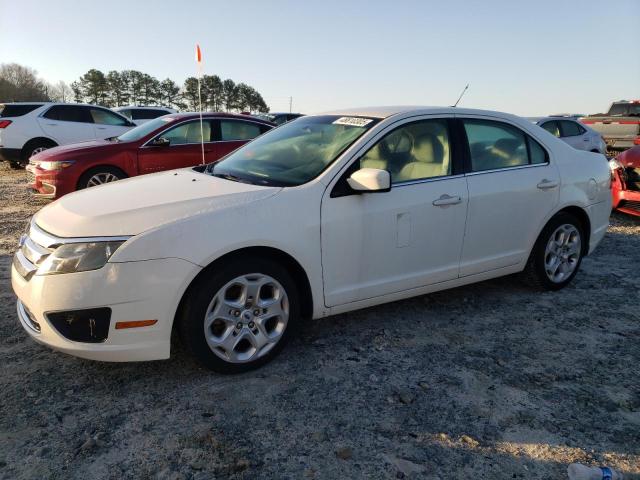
228, 176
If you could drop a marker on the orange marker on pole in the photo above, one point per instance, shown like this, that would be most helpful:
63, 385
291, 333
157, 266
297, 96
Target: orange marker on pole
199, 63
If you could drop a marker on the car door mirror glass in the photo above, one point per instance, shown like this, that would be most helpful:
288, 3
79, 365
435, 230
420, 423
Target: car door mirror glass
370, 180
160, 142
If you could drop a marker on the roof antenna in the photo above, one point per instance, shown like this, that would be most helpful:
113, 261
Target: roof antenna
461, 95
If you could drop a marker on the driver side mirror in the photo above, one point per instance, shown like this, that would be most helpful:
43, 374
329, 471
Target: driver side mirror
160, 142
370, 180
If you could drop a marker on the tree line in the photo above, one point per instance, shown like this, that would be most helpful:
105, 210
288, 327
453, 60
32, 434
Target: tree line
130, 87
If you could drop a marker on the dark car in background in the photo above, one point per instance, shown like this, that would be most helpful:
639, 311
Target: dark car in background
165, 143
279, 118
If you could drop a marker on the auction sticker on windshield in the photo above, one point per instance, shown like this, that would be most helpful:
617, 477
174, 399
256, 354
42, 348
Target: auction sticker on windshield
353, 121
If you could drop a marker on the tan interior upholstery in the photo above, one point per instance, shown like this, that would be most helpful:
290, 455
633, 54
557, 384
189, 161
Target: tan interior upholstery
374, 158
427, 160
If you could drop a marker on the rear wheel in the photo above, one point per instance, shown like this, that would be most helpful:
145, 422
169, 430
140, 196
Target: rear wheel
239, 316
557, 254
99, 176
33, 148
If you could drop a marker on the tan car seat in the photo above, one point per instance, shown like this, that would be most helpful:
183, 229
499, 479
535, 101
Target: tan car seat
375, 158
427, 160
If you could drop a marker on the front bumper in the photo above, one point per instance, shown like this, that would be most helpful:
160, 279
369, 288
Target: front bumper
47, 184
145, 290
629, 202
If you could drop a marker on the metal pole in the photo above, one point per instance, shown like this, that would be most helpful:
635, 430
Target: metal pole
201, 128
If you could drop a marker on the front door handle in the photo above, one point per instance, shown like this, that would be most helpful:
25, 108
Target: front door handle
101, 128
546, 184
446, 200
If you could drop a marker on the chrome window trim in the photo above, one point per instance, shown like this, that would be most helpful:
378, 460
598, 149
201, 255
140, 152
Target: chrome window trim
426, 180
47, 240
503, 169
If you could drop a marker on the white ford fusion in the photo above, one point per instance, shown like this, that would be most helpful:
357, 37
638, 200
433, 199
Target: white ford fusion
326, 214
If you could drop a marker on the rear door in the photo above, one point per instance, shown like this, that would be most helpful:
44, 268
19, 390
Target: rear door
232, 133
108, 124
574, 134
68, 124
183, 150
513, 187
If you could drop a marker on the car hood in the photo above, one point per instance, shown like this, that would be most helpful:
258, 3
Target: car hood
132, 206
82, 148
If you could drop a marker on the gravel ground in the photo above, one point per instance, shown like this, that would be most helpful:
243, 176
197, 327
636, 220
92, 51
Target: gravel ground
487, 381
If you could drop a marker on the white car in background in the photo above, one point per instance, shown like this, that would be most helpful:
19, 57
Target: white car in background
28, 128
571, 131
140, 115
324, 215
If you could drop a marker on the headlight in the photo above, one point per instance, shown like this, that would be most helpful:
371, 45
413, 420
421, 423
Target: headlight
614, 164
78, 257
55, 165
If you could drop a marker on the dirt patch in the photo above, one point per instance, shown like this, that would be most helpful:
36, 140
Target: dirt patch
492, 380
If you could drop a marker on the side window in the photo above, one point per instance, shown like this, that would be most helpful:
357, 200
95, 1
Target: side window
495, 145
238, 130
189, 132
126, 113
412, 152
537, 154
69, 113
552, 127
570, 129
105, 117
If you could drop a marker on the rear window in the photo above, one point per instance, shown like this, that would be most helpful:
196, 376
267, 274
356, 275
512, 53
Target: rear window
17, 110
147, 113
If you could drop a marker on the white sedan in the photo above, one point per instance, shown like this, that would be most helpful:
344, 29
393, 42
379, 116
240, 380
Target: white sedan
571, 131
326, 214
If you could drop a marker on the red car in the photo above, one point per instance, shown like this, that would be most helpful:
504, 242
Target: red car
165, 143
625, 185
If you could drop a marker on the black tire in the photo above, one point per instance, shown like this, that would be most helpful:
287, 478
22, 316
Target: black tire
103, 170
200, 294
16, 165
535, 273
32, 146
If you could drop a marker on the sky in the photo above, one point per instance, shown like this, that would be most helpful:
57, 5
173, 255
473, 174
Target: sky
524, 57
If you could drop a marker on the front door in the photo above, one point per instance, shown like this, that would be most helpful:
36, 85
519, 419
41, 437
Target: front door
513, 187
375, 244
184, 148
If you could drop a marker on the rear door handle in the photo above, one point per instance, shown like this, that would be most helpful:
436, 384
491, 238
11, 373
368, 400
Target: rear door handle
547, 184
101, 128
446, 200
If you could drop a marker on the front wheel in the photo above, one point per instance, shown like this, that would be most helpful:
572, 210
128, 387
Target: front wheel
557, 254
238, 316
99, 176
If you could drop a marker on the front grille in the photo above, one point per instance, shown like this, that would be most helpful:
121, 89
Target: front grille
28, 317
631, 205
31, 253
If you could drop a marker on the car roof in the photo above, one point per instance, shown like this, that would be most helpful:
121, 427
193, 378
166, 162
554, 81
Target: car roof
122, 107
553, 117
189, 115
388, 111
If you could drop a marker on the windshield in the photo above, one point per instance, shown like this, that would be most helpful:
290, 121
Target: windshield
294, 153
144, 129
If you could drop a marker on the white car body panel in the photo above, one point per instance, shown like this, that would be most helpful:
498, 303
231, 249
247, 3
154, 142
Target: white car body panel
356, 251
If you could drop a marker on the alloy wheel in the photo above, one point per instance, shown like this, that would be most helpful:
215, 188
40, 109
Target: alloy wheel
101, 178
562, 253
246, 318
38, 150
